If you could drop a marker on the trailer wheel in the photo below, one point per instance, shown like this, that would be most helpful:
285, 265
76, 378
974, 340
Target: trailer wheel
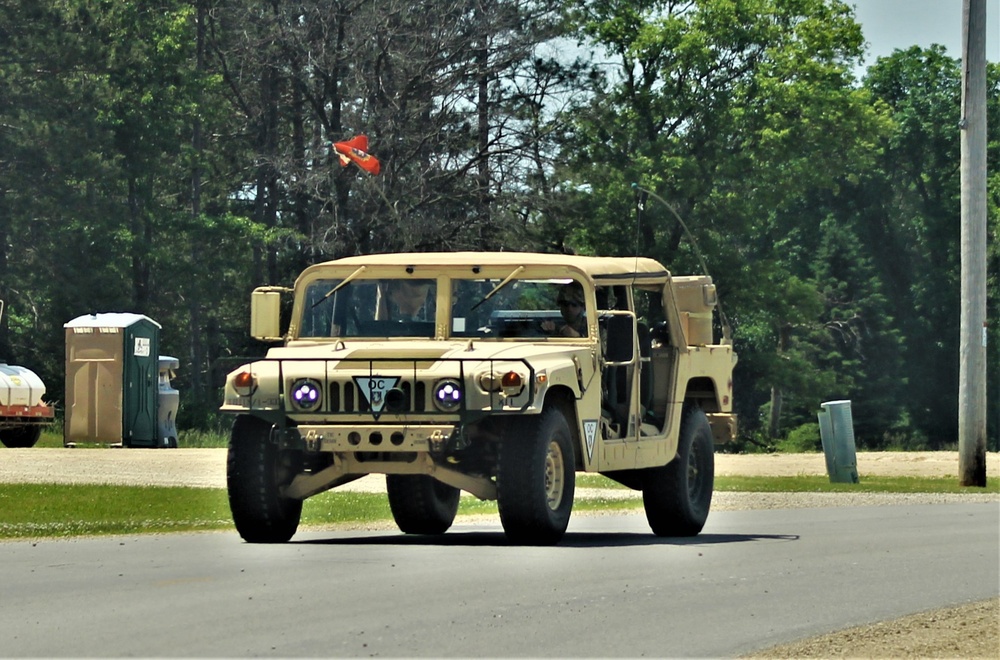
421, 504
256, 470
536, 479
678, 495
20, 437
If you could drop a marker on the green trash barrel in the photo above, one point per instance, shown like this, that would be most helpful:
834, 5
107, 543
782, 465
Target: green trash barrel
836, 431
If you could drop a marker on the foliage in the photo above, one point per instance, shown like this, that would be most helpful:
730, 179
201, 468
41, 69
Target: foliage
804, 438
907, 210
166, 157
742, 114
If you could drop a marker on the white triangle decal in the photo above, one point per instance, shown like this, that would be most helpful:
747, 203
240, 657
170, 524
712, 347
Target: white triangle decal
374, 388
590, 432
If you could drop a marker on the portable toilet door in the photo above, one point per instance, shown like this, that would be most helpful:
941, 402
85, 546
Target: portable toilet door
141, 384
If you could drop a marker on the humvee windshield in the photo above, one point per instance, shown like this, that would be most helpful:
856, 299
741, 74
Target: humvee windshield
370, 308
521, 308
406, 307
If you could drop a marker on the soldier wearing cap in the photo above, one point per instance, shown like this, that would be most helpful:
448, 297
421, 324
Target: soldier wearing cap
572, 307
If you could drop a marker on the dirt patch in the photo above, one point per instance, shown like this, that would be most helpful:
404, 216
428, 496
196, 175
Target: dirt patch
967, 631
871, 463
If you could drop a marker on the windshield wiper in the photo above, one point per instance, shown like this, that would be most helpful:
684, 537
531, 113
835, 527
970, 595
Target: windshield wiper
507, 280
340, 286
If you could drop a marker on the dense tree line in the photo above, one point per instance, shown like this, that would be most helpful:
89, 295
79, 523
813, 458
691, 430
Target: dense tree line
167, 157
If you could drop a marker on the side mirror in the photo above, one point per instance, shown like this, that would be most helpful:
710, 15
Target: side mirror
265, 314
620, 333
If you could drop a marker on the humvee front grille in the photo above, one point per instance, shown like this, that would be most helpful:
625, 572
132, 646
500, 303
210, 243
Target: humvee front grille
345, 397
413, 390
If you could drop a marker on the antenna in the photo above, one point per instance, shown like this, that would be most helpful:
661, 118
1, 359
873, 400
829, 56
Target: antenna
640, 206
726, 330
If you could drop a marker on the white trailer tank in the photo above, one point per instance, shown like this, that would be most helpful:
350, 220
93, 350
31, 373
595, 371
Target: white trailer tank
23, 410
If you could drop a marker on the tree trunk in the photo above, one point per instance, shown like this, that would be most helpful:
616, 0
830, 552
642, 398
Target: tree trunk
485, 224
195, 322
774, 419
142, 235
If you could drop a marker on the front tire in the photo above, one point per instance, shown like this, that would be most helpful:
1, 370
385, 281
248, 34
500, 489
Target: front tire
256, 470
421, 504
536, 479
678, 495
20, 437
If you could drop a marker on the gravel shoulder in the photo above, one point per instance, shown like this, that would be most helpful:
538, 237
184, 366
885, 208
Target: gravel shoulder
968, 631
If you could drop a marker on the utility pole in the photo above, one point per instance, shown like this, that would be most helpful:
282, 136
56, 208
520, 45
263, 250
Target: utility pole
972, 343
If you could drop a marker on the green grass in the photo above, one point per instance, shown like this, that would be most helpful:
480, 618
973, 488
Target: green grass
60, 510
34, 510
48, 510
872, 484
52, 438
819, 484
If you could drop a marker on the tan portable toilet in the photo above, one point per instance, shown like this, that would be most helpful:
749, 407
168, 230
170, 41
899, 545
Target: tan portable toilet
112, 371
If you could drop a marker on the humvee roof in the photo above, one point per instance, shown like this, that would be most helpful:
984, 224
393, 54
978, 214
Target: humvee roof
593, 267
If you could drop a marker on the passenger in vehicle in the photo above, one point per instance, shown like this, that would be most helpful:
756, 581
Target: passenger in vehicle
572, 307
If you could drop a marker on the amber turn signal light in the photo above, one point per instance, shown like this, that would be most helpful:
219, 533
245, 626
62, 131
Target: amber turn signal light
244, 383
511, 379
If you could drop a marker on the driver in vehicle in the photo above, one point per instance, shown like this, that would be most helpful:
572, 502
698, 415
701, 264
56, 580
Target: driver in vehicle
403, 300
571, 305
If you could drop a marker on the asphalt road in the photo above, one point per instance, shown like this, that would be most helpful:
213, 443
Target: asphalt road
752, 579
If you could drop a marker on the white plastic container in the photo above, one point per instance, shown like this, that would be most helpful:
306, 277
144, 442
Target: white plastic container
20, 386
169, 402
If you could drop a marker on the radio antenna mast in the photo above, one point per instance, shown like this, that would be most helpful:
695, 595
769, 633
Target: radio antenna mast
726, 330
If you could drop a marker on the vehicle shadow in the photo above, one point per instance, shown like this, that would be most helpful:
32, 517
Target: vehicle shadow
570, 540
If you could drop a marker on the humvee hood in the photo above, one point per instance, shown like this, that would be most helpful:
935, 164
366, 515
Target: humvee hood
421, 350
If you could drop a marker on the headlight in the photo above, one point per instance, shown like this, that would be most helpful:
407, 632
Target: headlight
489, 382
448, 395
306, 394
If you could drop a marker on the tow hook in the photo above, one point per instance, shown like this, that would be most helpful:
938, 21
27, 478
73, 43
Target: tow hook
444, 444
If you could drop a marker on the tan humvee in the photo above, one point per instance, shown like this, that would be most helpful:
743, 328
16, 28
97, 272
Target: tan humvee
500, 374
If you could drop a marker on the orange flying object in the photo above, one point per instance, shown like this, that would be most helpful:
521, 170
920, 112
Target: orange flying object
355, 151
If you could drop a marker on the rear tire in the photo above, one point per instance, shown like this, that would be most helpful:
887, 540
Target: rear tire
421, 504
256, 470
20, 437
536, 479
678, 495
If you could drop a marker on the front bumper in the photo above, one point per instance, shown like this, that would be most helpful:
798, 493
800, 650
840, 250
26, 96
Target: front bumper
377, 437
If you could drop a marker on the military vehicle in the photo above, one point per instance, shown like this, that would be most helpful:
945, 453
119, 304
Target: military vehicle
498, 374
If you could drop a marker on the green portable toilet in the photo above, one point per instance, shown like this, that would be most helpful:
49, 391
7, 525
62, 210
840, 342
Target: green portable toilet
112, 370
